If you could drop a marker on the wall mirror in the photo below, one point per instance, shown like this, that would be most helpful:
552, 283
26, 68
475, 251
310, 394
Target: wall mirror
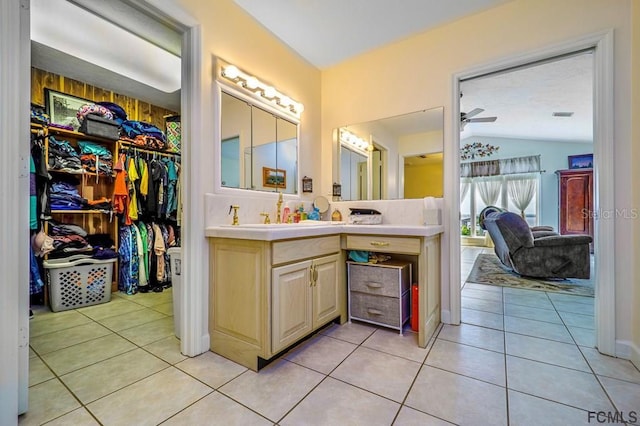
259, 149
390, 158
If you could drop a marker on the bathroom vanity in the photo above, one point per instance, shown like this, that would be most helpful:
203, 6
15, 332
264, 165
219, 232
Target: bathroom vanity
273, 285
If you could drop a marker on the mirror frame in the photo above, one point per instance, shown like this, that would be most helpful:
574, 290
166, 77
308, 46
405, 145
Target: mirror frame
219, 88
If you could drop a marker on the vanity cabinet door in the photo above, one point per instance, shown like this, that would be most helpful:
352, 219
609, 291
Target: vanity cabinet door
326, 289
291, 302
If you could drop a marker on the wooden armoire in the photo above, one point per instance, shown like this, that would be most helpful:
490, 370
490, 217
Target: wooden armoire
575, 204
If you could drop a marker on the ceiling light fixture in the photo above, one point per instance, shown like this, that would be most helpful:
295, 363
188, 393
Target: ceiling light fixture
259, 89
63, 26
353, 141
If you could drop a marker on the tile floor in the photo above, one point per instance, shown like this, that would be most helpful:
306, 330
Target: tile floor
521, 357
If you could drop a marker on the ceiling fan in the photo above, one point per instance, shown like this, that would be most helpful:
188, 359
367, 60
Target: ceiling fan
467, 117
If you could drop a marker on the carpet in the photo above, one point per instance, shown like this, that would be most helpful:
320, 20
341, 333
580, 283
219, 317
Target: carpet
488, 269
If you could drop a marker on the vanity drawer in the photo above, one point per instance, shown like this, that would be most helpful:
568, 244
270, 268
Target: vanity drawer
391, 311
387, 279
383, 243
293, 250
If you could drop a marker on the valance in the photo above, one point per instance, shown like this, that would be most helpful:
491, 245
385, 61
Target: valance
506, 166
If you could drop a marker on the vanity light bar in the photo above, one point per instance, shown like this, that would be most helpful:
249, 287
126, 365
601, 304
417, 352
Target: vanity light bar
257, 87
353, 140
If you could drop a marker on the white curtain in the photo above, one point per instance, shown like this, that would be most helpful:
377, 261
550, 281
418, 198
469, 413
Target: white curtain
465, 184
521, 192
489, 190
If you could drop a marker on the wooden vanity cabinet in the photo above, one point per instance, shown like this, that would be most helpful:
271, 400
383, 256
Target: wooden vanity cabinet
267, 295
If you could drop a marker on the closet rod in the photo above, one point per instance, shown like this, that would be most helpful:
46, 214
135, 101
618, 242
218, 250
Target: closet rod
149, 151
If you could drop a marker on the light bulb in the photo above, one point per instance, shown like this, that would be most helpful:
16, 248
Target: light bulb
231, 72
252, 83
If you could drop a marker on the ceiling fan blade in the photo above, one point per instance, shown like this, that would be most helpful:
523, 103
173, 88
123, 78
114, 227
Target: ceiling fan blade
473, 112
481, 120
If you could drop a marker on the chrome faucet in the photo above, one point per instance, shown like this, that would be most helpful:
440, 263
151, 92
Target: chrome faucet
279, 208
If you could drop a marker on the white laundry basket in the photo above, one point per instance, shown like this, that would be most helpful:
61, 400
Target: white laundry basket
175, 256
78, 281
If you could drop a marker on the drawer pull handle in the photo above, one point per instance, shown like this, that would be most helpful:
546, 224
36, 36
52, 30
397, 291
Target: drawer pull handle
374, 311
374, 285
379, 243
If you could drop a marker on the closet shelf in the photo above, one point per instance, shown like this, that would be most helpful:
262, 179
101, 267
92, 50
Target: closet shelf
78, 135
83, 173
79, 212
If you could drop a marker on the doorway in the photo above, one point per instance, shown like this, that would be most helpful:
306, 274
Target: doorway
602, 45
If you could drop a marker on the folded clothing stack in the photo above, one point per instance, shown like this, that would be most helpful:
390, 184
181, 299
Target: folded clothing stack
64, 194
96, 158
68, 239
143, 134
63, 156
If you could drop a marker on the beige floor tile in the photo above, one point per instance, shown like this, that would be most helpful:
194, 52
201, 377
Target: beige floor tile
469, 361
47, 401
389, 341
578, 320
481, 294
211, 369
353, 332
541, 302
383, 374
273, 391
561, 297
83, 354
98, 380
538, 314
544, 330
458, 399
167, 349
527, 410
548, 351
161, 396
151, 298
583, 336
55, 322
38, 371
523, 291
32, 354
79, 417
468, 334
336, 403
484, 287
64, 338
483, 319
609, 366
150, 332
570, 387
216, 409
164, 308
625, 396
482, 305
575, 307
321, 353
131, 319
410, 417
113, 308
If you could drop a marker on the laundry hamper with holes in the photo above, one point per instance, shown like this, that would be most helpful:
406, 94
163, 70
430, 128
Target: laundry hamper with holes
77, 281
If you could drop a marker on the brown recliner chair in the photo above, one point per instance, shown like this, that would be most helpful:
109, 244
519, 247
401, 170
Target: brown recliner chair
552, 256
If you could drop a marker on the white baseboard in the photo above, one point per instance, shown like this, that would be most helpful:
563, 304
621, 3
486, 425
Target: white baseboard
635, 354
445, 316
624, 349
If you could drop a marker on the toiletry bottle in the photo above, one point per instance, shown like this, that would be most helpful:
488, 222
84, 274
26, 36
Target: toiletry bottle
303, 214
285, 215
336, 216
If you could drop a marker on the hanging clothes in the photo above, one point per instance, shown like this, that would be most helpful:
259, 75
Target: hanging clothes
120, 190
144, 262
132, 174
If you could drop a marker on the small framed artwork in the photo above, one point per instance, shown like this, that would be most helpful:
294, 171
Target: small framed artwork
307, 184
63, 108
274, 178
582, 161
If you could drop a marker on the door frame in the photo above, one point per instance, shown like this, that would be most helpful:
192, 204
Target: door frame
603, 135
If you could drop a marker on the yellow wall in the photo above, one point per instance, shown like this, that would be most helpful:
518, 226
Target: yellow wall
423, 180
234, 36
416, 73
635, 137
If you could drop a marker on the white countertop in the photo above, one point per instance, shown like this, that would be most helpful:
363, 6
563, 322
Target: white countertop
273, 232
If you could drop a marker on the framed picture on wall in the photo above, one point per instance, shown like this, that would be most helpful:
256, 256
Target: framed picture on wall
582, 161
274, 178
63, 108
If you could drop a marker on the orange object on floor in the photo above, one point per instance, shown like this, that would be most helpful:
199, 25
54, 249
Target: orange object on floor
414, 307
